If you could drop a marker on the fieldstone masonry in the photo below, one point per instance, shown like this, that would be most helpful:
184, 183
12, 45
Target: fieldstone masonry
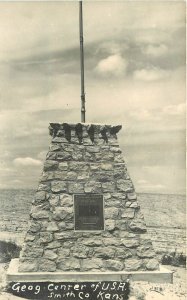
85, 158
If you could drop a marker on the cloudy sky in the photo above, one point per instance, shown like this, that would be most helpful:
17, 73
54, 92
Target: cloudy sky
134, 76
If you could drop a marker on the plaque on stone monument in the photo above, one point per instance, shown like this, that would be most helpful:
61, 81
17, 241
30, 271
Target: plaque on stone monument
88, 212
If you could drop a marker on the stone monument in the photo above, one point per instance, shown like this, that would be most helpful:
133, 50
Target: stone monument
85, 215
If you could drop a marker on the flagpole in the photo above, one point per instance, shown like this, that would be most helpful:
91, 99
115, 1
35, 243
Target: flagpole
83, 110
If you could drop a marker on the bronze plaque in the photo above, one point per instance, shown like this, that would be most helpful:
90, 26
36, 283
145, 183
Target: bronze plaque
89, 212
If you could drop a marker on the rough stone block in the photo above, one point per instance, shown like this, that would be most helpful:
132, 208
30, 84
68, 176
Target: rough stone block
92, 149
120, 166
104, 252
40, 196
38, 213
129, 235
144, 252
132, 264
92, 187
68, 264
107, 196
28, 265
45, 237
89, 157
121, 196
138, 225
95, 166
110, 225
46, 176
43, 223
78, 166
67, 235
52, 226
111, 213
114, 265
63, 213
108, 187
81, 251
50, 165
30, 237
84, 176
62, 225
121, 224
51, 155
63, 156
71, 175
102, 176
93, 263
123, 253
32, 251
77, 156
104, 156
69, 225
112, 241
152, 264
132, 196
63, 253
124, 185
53, 245
59, 175
130, 243
120, 174
115, 149
44, 187
106, 167
34, 227
46, 265
135, 204
54, 200
63, 166
118, 158
58, 186
58, 139
55, 147
49, 254
92, 242
74, 187
128, 213
66, 200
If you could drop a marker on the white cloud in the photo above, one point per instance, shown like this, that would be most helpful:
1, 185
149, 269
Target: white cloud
26, 162
151, 74
142, 181
151, 187
156, 50
112, 65
144, 115
175, 109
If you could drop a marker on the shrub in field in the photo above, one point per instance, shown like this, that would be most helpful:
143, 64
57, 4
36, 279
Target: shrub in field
174, 259
8, 250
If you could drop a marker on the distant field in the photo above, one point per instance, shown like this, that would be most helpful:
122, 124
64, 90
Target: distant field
164, 214
162, 210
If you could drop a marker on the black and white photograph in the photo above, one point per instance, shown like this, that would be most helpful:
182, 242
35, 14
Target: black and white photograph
93, 144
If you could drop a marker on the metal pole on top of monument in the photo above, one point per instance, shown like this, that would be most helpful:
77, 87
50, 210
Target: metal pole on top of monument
83, 111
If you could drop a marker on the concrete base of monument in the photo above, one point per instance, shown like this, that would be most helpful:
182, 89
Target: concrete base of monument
161, 276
